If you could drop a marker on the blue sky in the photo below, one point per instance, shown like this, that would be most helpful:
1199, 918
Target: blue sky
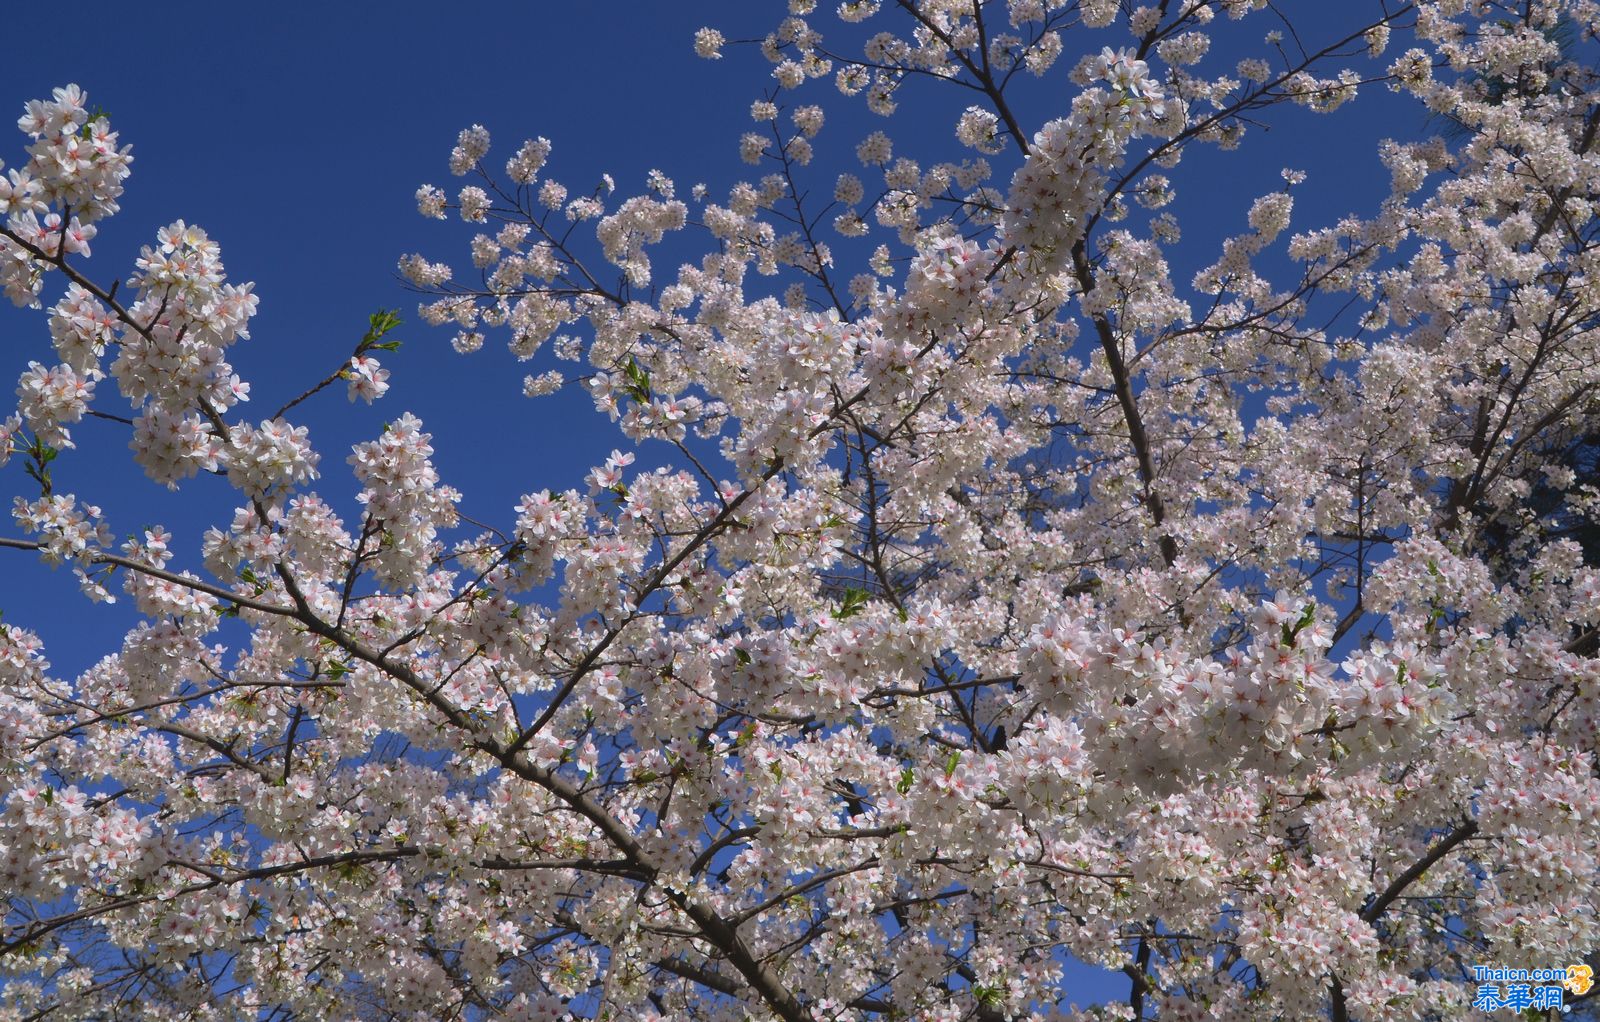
297, 134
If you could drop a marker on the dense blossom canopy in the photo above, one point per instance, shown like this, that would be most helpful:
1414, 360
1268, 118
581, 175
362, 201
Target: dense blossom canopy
1007, 598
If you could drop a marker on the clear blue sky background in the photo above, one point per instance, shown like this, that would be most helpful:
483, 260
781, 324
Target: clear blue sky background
297, 134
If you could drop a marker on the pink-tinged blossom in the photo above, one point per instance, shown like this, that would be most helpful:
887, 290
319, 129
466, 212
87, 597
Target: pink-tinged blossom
368, 379
273, 456
956, 602
48, 398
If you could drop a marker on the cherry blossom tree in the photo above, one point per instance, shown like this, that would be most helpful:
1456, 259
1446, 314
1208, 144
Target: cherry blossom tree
1006, 599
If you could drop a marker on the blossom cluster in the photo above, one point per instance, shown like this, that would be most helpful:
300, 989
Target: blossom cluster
1007, 599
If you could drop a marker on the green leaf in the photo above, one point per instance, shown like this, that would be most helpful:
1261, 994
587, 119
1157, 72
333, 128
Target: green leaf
741, 655
854, 600
952, 761
1307, 616
96, 113
379, 324
638, 386
40, 454
907, 778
